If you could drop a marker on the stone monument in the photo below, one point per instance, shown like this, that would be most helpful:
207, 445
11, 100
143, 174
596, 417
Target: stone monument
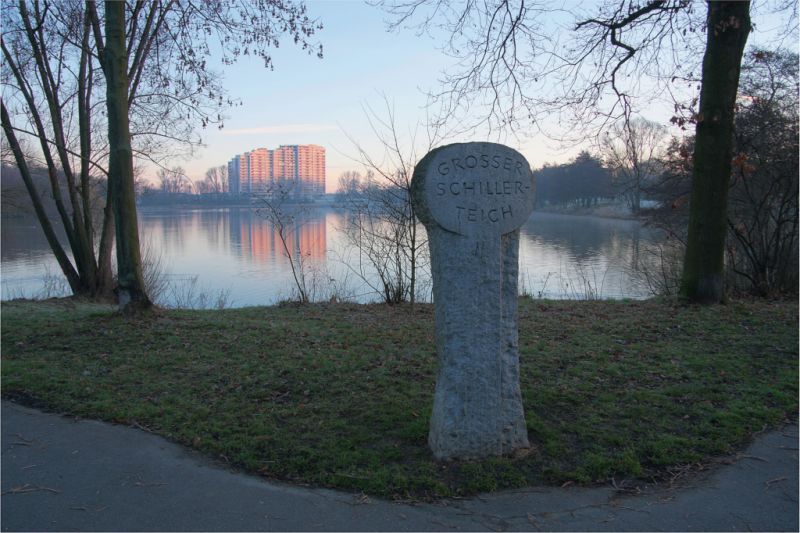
472, 199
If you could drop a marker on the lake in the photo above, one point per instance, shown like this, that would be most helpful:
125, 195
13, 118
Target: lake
235, 255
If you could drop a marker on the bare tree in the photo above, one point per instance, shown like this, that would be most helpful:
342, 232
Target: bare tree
141, 185
169, 35
618, 58
275, 206
703, 278
762, 250
215, 181
350, 185
762, 224
379, 226
173, 181
131, 288
53, 70
632, 151
516, 66
49, 82
382, 225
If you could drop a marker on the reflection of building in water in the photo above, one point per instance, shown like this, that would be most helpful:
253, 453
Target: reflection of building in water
302, 167
260, 239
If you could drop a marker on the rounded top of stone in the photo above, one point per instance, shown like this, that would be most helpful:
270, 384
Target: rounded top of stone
478, 188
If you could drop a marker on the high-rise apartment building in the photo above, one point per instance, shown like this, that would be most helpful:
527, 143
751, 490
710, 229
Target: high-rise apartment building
311, 167
238, 167
260, 163
300, 167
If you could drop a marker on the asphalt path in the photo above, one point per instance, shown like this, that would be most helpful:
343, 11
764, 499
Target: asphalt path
63, 474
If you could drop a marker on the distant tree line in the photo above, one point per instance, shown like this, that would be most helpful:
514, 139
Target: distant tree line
582, 182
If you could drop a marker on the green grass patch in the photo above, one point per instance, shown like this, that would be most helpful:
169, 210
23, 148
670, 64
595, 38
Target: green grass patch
340, 395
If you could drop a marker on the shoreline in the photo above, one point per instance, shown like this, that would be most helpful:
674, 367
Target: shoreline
612, 212
605, 211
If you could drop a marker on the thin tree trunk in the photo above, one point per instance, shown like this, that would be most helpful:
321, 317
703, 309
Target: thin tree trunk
81, 243
105, 271
55, 188
61, 256
131, 289
84, 122
103, 276
704, 264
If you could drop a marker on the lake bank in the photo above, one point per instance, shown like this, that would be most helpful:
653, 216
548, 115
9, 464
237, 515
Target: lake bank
339, 395
236, 252
612, 211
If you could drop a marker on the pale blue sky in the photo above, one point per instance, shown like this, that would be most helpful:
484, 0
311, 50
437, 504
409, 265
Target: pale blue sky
306, 100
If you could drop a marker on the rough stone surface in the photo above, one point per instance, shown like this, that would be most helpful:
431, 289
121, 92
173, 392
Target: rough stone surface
472, 199
474, 189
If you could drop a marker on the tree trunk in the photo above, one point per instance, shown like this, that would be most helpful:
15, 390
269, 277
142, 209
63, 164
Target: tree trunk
77, 225
61, 256
80, 242
105, 272
131, 290
704, 263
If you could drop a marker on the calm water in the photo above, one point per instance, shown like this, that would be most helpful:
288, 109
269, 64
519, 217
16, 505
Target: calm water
236, 253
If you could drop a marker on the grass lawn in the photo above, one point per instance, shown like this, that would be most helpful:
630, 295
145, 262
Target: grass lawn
339, 395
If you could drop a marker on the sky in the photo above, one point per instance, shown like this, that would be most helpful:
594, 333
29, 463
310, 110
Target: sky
307, 100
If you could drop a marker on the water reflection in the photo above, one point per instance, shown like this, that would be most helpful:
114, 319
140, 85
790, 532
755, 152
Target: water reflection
563, 256
239, 251
238, 231
255, 237
176, 229
23, 239
236, 250
27, 261
582, 237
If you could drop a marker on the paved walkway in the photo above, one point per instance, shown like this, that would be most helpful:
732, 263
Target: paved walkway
62, 474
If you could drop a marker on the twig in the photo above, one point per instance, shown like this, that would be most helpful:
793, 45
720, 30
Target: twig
29, 488
630, 509
143, 428
22, 441
769, 483
363, 499
742, 456
20, 437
